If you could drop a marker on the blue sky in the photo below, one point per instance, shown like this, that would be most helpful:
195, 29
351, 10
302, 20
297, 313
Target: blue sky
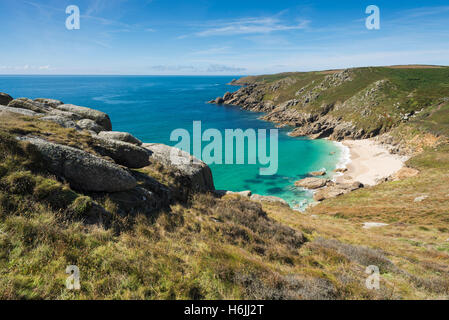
217, 37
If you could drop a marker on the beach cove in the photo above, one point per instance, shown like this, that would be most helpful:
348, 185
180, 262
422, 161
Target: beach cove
152, 107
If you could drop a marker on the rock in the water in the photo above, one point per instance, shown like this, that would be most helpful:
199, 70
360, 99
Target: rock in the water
90, 125
99, 117
120, 136
24, 112
5, 99
272, 199
28, 104
227, 96
63, 122
49, 102
83, 170
219, 100
123, 153
318, 173
196, 174
341, 170
312, 183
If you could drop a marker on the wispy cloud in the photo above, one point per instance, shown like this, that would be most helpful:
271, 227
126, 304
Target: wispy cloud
248, 26
212, 51
212, 68
426, 11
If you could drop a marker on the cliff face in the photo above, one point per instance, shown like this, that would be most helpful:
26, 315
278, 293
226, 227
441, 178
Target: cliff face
353, 103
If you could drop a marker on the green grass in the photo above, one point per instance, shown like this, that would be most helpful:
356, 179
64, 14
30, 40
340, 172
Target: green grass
408, 89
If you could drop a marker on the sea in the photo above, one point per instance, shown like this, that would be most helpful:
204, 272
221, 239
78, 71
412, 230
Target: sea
152, 107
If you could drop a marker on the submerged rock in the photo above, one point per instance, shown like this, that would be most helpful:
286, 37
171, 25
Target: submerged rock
81, 169
5, 99
120, 136
99, 117
193, 173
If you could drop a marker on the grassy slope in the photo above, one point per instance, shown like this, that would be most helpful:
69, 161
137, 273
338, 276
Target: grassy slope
223, 249
207, 248
408, 90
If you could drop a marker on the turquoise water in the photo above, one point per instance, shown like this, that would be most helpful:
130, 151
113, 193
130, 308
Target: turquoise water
152, 107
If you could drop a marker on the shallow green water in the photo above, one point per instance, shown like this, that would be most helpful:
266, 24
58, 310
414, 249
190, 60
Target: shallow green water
152, 107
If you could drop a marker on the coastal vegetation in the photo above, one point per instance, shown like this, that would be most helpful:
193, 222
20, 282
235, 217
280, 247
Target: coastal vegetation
167, 234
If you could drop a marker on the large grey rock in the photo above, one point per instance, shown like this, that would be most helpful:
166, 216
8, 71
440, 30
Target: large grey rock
65, 114
90, 125
123, 153
198, 176
5, 99
62, 121
312, 183
336, 190
83, 170
24, 112
99, 117
49, 102
120, 136
28, 104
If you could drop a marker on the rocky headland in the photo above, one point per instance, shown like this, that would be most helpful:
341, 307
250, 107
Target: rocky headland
365, 108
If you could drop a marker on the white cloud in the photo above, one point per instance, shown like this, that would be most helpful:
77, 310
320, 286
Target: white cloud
248, 26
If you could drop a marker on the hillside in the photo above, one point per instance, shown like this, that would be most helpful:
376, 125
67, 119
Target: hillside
352, 103
160, 231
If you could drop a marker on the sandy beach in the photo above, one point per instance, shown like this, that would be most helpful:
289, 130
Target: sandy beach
369, 162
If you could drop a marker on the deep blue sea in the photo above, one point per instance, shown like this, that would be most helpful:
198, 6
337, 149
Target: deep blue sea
151, 107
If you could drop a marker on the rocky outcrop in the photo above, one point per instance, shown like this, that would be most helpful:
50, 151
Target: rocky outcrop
90, 125
404, 173
5, 99
244, 194
99, 117
312, 183
49, 102
123, 153
62, 121
314, 122
272, 199
65, 114
336, 190
23, 112
318, 173
120, 136
28, 104
193, 173
81, 169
